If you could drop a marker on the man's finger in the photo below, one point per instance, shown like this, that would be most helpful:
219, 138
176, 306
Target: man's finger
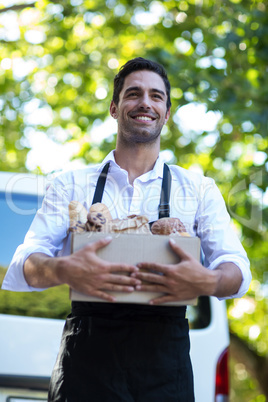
118, 288
151, 288
103, 295
96, 293
162, 299
95, 246
179, 251
153, 266
116, 267
149, 277
122, 280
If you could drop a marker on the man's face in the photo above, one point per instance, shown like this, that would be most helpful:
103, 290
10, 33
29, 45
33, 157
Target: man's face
141, 111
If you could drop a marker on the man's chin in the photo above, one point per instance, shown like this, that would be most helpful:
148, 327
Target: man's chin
144, 138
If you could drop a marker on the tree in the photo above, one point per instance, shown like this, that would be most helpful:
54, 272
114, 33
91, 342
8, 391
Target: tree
56, 72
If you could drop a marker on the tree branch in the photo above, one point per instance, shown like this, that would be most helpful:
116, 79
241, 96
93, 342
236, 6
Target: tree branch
16, 7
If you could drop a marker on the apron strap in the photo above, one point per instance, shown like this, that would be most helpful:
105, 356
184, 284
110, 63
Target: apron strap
163, 208
100, 184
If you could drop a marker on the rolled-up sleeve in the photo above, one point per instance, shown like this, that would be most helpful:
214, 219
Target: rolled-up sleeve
47, 234
219, 241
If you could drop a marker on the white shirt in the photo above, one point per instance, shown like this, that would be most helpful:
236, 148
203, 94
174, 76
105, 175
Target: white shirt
194, 199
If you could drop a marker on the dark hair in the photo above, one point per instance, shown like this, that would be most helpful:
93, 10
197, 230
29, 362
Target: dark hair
138, 64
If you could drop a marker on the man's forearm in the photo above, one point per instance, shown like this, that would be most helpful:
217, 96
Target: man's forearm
42, 271
228, 279
83, 271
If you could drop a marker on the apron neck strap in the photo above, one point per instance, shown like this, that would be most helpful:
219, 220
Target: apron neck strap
100, 184
163, 209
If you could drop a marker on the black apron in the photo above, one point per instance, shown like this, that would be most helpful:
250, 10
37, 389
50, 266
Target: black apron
112, 352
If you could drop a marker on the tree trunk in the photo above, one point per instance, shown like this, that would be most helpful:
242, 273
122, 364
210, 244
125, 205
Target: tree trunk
256, 365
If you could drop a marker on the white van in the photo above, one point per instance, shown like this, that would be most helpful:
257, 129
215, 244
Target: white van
29, 345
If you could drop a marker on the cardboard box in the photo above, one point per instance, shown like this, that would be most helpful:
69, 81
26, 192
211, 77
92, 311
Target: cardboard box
132, 249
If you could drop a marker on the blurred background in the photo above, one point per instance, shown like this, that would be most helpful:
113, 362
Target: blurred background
57, 64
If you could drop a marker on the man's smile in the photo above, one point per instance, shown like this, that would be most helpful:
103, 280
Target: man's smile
143, 117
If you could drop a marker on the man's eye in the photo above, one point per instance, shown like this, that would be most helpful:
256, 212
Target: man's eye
157, 96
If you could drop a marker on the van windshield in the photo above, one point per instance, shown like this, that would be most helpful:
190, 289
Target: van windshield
16, 212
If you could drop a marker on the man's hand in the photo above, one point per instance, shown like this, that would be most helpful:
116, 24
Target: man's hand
85, 272
188, 279
185, 280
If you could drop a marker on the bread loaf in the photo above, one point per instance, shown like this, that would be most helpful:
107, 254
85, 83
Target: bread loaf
99, 219
168, 226
78, 216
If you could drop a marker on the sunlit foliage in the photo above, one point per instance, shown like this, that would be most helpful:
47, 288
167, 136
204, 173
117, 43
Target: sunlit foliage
57, 63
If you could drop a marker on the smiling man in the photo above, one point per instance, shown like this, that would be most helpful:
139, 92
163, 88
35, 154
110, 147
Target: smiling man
122, 352
142, 110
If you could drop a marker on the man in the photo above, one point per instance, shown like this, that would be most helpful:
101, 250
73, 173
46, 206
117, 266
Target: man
111, 351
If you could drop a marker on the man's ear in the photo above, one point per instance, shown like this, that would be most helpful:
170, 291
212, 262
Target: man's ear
113, 110
167, 115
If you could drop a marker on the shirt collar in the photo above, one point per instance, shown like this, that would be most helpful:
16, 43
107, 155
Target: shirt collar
156, 172
108, 158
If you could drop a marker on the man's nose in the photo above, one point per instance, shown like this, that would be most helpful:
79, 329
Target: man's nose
145, 101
